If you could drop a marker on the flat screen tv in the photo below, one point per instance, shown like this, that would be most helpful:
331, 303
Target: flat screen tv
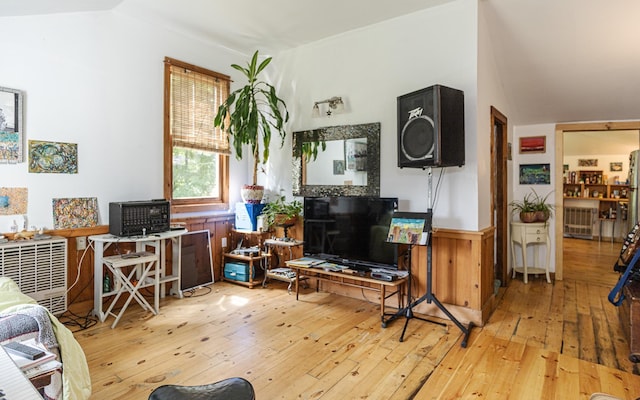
351, 231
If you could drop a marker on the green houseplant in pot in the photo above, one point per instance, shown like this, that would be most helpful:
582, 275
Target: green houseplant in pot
525, 208
250, 115
543, 210
281, 212
532, 208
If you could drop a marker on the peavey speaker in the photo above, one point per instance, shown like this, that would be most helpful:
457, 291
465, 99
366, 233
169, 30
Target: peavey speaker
431, 128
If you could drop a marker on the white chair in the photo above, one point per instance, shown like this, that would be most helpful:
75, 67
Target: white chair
143, 272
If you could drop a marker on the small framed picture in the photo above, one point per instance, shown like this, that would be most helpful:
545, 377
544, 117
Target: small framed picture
533, 144
338, 167
615, 166
535, 174
11, 129
587, 162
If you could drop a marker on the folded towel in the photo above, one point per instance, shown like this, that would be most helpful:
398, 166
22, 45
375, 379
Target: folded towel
41, 317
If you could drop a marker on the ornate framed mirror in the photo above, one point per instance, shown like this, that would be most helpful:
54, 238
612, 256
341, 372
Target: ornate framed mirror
349, 166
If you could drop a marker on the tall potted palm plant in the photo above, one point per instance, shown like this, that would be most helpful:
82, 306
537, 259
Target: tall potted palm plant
250, 115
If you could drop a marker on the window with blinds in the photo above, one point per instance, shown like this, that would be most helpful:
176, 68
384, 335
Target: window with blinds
196, 153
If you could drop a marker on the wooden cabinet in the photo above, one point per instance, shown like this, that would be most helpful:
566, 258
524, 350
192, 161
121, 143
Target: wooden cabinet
535, 234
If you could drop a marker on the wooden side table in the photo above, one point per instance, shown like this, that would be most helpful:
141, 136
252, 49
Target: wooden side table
276, 248
255, 260
535, 234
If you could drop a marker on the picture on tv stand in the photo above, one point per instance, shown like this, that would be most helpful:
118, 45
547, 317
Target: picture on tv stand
350, 230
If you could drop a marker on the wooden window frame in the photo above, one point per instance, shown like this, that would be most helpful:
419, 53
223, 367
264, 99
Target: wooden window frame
179, 206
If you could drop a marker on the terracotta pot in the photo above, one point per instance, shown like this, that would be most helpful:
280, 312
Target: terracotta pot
529, 216
282, 220
252, 194
542, 216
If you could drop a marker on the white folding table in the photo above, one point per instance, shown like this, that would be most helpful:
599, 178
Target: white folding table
157, 242
144, 272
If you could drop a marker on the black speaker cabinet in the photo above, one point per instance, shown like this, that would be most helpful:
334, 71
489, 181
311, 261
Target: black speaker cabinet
431, 128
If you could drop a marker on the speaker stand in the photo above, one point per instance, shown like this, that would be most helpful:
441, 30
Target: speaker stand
407, 311
429, 297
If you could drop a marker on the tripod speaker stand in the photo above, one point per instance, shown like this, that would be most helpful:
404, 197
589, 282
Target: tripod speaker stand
429, 296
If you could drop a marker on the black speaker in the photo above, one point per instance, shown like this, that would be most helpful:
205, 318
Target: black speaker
431, 128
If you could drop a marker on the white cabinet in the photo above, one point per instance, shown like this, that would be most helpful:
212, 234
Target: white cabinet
535, 234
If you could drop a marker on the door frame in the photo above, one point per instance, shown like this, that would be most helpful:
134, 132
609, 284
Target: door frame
561, 129
499, 194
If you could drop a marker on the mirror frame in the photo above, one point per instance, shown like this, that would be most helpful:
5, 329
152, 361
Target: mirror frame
342, 132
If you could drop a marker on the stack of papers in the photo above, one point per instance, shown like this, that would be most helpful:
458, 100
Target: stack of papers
328, 266
306, 262
39, 366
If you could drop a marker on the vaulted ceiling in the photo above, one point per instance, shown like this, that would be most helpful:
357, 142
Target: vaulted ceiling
559, 61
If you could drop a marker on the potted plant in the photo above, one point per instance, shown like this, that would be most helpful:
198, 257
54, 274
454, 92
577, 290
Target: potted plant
281, 212
532, 208
249, 115
542, 208
525, 208
253, 112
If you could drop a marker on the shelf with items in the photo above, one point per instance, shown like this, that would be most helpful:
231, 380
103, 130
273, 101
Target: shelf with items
595, 191
584, 177
245, 262
591, 177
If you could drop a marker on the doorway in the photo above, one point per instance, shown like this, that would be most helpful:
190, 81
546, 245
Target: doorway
561, 130
499, 199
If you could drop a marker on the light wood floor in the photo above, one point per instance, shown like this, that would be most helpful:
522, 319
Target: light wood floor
545, 341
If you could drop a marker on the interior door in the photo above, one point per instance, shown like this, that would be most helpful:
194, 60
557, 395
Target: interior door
499, 198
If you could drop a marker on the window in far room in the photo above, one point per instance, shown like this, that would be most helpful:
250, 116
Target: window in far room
196, 154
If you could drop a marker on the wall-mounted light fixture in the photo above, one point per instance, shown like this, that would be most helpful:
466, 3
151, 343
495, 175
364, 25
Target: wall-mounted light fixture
334, 106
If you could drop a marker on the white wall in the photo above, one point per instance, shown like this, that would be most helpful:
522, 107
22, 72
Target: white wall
548, 157
490, 93
370, 68
96, 79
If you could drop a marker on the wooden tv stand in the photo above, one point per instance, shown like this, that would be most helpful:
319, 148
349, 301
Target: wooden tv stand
353, 280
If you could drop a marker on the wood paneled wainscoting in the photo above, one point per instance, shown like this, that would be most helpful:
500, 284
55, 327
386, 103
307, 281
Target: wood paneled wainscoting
462, 265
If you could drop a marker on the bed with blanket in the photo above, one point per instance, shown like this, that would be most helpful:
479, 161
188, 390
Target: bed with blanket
22, 318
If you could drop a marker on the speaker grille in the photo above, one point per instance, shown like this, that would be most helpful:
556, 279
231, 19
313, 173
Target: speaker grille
417, 138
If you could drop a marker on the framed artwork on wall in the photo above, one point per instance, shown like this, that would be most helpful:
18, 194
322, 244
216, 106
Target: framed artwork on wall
588, 162
615, 166
75, 212
11, 127
338, 167
533, 144
13, 201
53, 157
535, 174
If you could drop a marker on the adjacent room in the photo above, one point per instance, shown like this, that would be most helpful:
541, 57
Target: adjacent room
329, 200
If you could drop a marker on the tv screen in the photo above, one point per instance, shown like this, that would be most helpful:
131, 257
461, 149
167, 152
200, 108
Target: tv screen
350, 230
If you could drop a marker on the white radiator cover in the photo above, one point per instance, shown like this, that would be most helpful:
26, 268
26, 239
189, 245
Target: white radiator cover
39, 267
578, 222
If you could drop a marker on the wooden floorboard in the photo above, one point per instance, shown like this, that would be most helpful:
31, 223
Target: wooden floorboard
544, 341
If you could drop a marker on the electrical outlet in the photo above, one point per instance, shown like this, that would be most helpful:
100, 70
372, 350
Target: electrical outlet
224, 242
81, 242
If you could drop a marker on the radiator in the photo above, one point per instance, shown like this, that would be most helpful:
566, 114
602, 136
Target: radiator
39, 267
578, 222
